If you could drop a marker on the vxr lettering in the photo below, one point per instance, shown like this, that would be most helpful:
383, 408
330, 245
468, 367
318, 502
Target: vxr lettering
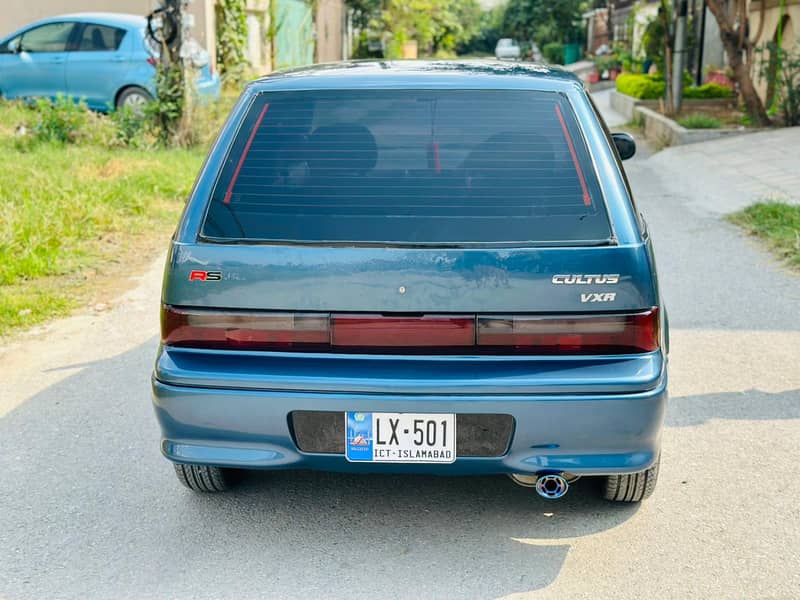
606, 297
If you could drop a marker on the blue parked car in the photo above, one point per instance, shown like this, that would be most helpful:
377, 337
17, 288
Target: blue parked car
102, 58
414, 267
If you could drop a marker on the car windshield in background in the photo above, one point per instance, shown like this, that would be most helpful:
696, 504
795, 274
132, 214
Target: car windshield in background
423, 167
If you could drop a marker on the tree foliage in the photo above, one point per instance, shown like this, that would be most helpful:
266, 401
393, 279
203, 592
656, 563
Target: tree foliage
364, 12
232, 39
436, 25
168, 109
783, 67
490, 29
545, 21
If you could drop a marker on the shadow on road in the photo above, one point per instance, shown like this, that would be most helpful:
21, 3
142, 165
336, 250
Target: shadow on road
87, 497
91, 509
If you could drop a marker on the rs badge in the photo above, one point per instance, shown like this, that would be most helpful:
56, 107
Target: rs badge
205, 276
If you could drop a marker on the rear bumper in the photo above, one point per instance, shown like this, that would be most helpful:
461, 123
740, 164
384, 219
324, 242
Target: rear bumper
582, 433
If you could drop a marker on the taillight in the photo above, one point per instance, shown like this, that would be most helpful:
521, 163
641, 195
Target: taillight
611, 334
243, 330
432, 334
357, 331
151, 61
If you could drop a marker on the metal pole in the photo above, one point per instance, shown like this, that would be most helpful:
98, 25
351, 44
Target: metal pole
679, 60
701, 45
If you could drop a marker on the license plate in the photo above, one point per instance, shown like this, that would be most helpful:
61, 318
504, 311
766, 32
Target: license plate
400, 437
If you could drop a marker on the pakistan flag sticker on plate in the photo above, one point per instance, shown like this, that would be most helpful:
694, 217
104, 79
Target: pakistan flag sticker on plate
359, 436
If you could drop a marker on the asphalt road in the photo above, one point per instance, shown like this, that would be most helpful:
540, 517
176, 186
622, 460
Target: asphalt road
89, 509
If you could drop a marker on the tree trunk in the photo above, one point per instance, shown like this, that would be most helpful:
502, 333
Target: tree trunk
735, 45
741, 74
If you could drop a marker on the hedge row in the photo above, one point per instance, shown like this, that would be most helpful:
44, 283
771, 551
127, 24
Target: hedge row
553, 53
643, 87
652, 87
708, 90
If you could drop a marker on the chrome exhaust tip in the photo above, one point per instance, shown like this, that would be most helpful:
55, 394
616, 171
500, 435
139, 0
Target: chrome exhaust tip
551, 486
548, 485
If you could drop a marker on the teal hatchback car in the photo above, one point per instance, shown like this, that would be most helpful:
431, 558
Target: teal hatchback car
101, 58
414, 267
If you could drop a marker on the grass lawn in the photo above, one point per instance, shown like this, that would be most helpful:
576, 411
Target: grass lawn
70, 214
700, 121
777, 224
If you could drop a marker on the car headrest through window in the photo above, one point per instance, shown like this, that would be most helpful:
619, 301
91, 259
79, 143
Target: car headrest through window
342, 148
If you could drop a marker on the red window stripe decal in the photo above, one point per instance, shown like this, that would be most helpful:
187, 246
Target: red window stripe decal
586, 199
437, 162
228, 193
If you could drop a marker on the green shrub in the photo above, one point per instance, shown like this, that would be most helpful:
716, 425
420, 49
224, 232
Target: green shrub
444, 54
652, 87
130, 128
700, 121
781, 69
61, 120
606, 63
707, 91
232, 41
625, 58
644, 87
554, 53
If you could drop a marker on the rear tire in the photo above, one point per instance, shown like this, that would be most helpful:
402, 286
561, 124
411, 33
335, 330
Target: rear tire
135, 98
632, 487
204, 478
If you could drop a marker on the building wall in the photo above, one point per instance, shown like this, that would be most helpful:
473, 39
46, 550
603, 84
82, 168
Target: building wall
643, 14
596, 29
773, 16
713, 51
205, 27
620, 27
257, 49
17, 13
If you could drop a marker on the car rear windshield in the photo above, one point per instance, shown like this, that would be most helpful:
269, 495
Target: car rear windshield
420, 167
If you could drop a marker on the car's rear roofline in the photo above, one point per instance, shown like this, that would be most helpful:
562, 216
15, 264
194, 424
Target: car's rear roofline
611, 241
419, 74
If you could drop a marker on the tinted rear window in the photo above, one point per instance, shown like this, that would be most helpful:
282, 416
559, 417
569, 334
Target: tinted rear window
408, 167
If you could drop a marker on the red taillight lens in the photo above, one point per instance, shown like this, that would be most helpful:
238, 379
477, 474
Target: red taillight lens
523, 335
243, 330
612, 334
151, 61
366, 331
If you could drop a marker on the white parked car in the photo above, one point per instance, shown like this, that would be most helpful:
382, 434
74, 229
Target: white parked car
507, 49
